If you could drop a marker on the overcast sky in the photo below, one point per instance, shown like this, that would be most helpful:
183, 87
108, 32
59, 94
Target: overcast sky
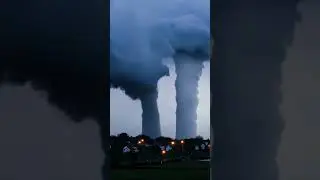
125, 114
39, 142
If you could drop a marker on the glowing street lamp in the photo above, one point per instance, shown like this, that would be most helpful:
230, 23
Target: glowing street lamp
139, 142
182, 143
142, 140
172, 142
163, 152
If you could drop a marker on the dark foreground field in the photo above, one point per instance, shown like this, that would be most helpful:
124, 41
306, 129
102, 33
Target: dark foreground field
187, 170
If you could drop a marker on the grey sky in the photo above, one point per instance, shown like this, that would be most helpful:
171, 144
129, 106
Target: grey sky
39, 142
125, 114
299, 151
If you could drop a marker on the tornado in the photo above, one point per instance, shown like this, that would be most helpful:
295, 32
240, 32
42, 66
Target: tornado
148, 96
136, 66
188, 72
191, 42
140, 82
150, 114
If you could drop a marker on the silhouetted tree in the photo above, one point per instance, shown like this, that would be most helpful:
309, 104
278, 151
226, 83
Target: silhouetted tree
163, 140
199, 137
146, 139
123, 136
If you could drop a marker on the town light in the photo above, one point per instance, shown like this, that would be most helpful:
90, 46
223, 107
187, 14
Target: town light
182, 141
172, 142
163, 152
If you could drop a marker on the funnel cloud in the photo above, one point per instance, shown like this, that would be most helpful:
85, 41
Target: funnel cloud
188, 72
164, 29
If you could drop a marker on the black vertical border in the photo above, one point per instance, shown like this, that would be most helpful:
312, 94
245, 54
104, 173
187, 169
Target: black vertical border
212, 69
106, 47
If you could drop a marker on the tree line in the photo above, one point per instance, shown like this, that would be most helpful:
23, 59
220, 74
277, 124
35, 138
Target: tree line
127, 150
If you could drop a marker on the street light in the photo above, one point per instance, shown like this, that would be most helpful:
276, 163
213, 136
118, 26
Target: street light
142, 140
182, 143
163, 152
172, 142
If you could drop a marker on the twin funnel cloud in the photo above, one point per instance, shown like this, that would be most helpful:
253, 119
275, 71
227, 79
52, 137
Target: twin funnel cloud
180, 33
188, 72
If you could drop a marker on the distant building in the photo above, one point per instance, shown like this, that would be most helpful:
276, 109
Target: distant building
130, 148
126, 149
203, 146
168, 148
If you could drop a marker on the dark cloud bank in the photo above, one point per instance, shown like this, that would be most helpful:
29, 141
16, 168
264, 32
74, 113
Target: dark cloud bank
59, 47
